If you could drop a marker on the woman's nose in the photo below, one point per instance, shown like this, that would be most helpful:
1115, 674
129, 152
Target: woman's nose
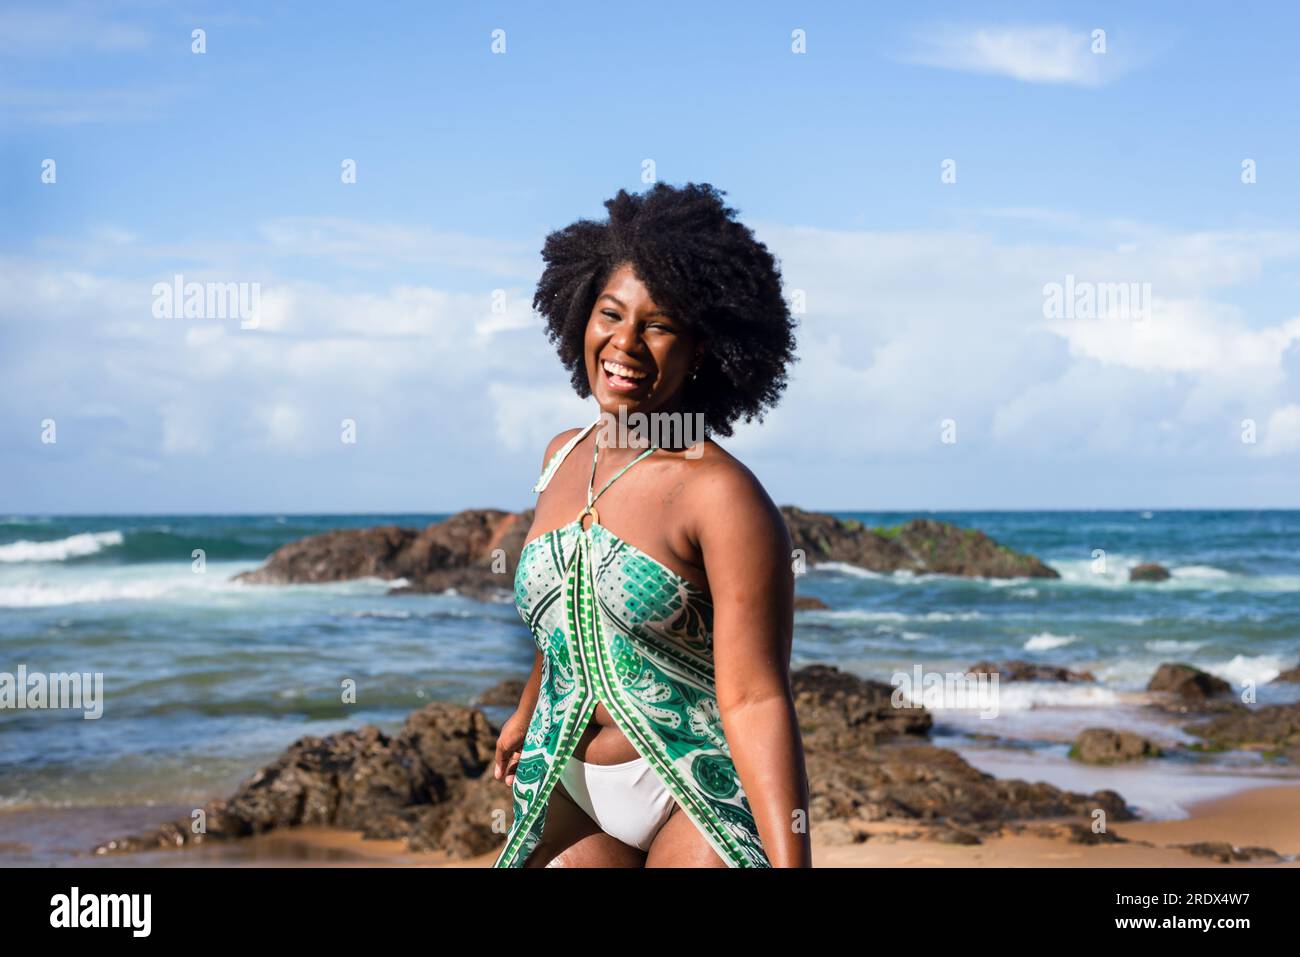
627, 336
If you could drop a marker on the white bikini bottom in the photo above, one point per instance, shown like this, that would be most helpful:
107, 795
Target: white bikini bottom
627, 801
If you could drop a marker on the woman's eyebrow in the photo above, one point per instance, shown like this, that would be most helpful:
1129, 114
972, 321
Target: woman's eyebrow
619, 303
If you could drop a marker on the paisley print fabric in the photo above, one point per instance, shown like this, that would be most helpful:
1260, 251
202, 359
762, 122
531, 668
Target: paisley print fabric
616, 626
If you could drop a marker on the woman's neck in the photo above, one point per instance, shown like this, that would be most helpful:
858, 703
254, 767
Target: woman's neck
669, 428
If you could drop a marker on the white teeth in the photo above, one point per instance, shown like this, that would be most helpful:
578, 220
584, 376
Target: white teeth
622, 370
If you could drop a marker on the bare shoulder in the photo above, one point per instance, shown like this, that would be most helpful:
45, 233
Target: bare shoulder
557, 443
724, 491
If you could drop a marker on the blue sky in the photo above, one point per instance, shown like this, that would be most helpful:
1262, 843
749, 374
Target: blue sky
925, 298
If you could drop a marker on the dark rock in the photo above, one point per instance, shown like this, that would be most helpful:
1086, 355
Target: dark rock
336, 556
1181, 706
475, 552
837, 708
1148, 572
1018, 670
1291, 674
1076, 833
1275, 730
896, 780
955, 835
430, 784
865, 761
922, 545
808, 603
1187, 683
1226, 853
893, 837
835, 833
502, 694
1104, 746
422, 785
476, 824
477, 583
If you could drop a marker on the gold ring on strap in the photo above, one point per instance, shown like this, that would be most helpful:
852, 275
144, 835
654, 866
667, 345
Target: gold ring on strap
589, 510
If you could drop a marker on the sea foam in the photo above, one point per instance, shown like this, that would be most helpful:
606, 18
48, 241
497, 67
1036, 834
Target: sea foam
74, 546
1046, 641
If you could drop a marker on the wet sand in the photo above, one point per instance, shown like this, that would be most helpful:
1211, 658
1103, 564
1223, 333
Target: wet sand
1260, 817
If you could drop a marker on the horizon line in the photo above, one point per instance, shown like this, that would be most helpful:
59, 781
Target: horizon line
341, 514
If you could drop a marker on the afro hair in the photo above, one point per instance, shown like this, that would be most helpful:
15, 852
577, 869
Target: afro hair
702, 266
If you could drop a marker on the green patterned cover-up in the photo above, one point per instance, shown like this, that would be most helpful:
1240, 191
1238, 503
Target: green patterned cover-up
617, 627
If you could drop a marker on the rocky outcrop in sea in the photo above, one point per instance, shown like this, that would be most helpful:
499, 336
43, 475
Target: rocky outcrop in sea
475, 552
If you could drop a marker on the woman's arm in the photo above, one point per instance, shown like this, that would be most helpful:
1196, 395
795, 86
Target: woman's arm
510, 742
747, 558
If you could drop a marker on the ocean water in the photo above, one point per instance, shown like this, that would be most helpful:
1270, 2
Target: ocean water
205, 679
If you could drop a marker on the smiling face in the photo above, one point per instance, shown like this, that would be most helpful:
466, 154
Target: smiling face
638, 357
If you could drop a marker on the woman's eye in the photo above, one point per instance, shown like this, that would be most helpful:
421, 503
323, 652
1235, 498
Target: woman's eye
610, 314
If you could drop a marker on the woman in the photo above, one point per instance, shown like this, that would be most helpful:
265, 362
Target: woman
657, 727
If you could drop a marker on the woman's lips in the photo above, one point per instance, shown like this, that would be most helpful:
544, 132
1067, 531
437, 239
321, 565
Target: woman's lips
621, 383
617, 383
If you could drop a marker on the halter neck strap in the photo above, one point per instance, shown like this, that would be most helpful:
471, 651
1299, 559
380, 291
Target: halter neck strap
591, 483
554, 464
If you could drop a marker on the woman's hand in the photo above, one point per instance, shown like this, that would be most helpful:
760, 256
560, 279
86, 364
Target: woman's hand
510, 745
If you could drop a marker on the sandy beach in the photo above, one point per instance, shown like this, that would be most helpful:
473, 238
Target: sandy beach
1259, 817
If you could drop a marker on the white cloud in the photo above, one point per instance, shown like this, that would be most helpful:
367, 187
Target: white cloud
184, 432
903, 329
526, 417
1282, 432
1184, 336
283, 422
1032, 54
